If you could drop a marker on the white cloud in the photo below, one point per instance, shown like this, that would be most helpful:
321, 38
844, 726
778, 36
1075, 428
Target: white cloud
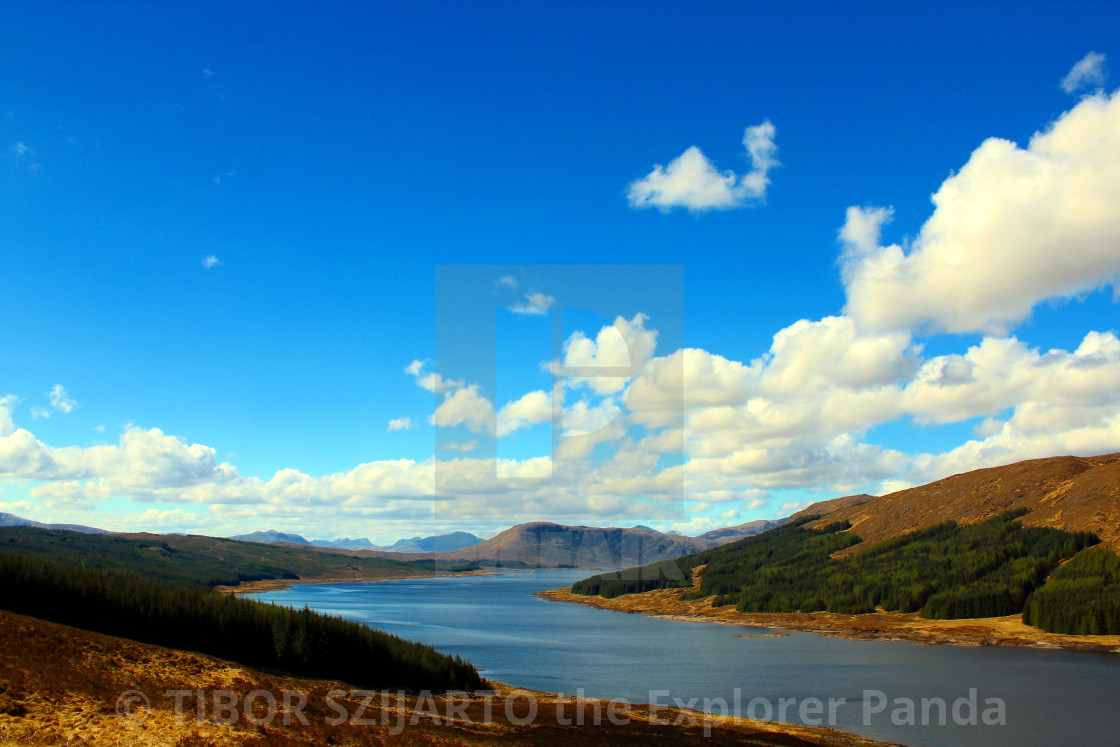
210, 261
753, 504
60, 400
1088, 72
586, 425
686, 380
622, 348
465, 406
1002, 373
7, 426
465, 446
535, 304
40, 413
691, 181
1012, 228
433, 382
400, 424
531, 409
833, 352
21, 148
506, 281
786, 420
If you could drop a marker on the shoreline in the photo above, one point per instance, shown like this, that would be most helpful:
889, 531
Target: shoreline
98, 689
279, 584
874, 626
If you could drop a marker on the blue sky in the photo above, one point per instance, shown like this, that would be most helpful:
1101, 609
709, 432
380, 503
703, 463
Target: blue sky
383, 184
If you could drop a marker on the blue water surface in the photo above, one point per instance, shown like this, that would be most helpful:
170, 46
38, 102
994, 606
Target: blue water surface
1051, 697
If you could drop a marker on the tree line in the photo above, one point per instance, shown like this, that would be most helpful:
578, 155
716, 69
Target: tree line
945, 571
188, 616
1082, 597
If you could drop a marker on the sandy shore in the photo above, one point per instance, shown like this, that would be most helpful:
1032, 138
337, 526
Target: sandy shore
876, 626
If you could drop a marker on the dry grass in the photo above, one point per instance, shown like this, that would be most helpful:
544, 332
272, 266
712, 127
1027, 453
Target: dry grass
60, 686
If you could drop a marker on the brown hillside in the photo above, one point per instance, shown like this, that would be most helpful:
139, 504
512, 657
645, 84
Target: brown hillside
1067, 492
60, 686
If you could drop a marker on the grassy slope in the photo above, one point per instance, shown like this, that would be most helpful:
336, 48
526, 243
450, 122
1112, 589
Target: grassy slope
197, 560
945, 571
60, 685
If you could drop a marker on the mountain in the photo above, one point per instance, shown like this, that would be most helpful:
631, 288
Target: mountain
441, 543
358, 543
271, 536
1064, 492
1036, 538
548, 544
11, 520
729, 534
542, 543
438, 543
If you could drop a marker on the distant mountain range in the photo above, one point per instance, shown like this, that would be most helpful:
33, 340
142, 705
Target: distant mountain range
270, 536
438, 543
11, 520
435, 544
533, 544
546, 544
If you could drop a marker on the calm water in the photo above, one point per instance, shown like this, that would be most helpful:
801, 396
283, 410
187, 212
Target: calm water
1051, 697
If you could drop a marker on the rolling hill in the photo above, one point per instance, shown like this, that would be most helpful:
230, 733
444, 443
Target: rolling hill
986, 543
1077, 494
11, 520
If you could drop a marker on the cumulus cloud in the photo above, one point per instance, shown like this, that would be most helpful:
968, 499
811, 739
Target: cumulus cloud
400, 424
506, 281
531, 409
1088, 72
40, 413
616, 354
691, 181
60, 400
784, 421
431, 381
535, 304
210, 261
686, 380
465, 406
1000, 373
833, 352
587, 424
1013, 227
796, 416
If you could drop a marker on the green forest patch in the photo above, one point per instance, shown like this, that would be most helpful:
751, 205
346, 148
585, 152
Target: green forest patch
945, 571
